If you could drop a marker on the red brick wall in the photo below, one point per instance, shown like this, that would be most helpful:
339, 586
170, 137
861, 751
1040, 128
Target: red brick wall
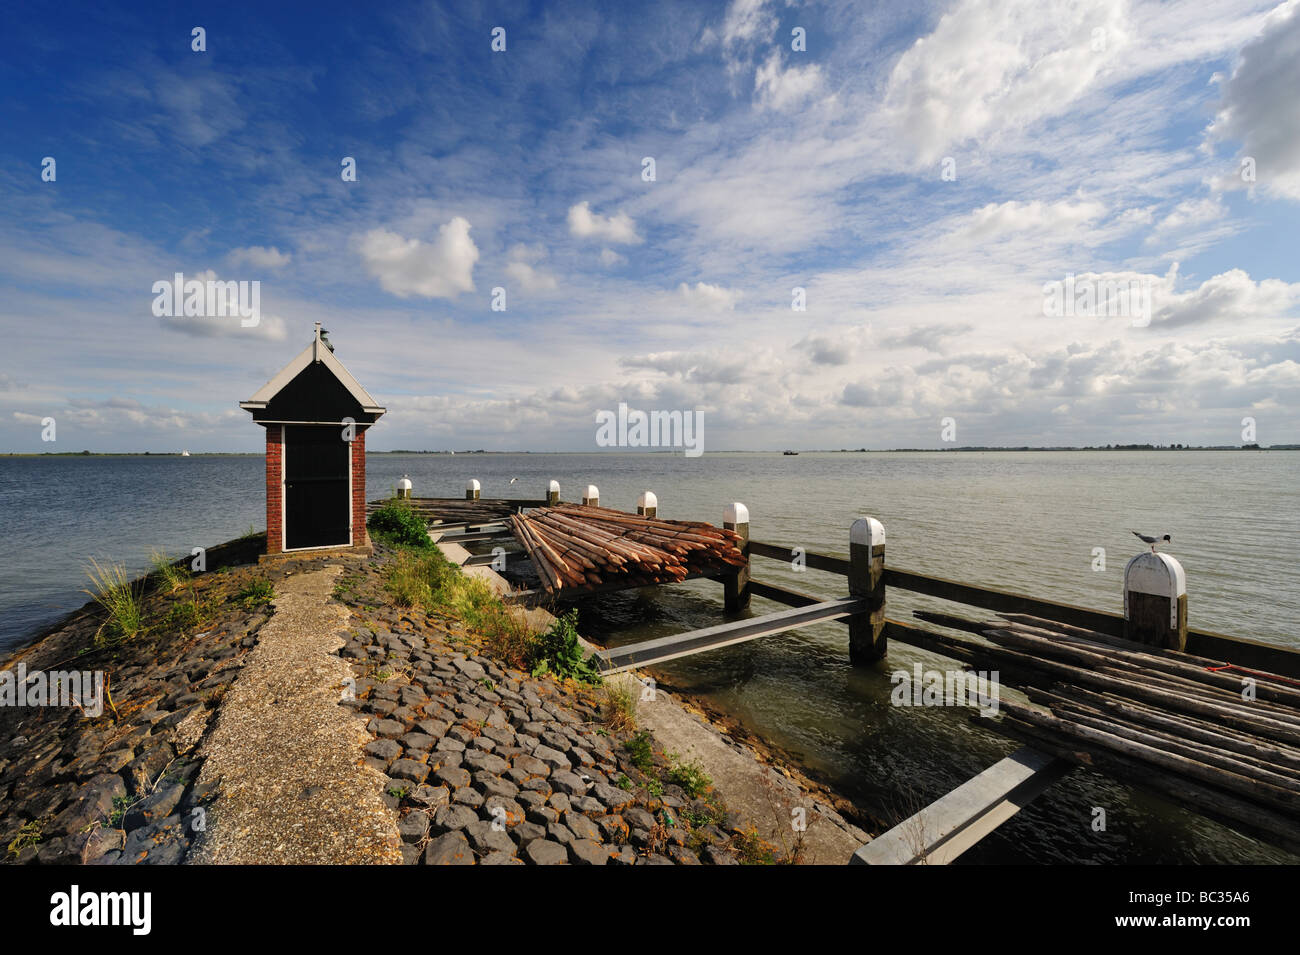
359, 533
274, 472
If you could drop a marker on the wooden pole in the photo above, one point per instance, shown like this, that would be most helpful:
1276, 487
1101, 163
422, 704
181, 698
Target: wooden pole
867, 643
647, 505
553, 493
1155, 601
591, 496
735, 585
472, 488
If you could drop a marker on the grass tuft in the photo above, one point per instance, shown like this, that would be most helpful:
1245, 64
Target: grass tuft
120, 597
618, 707
170, 575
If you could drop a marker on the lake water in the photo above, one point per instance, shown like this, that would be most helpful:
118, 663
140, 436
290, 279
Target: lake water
1028, 522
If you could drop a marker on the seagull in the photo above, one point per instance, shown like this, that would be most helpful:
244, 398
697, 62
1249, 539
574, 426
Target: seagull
1153, 541
513, 480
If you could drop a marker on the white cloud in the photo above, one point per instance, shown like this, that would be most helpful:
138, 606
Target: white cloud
529, 278
259, 256
610, 258
1187, 214
440, 269
618, 228
779, 88
1259, 105
1003, 218
704, 295
993, 64
1231, 298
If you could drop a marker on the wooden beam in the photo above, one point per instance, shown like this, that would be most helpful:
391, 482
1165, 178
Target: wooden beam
834, 565
647, 652
946, 828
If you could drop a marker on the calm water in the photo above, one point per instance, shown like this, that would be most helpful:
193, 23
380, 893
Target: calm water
1020, 521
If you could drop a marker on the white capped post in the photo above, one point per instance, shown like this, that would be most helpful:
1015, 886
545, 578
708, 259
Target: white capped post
553, 493
647, 505
735, 586
867, 579
472, 489
1155, 601
591, 495
403, 488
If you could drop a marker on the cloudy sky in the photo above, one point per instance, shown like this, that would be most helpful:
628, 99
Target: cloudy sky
922, 171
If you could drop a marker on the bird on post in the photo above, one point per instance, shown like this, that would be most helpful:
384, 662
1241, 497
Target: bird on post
1153, 541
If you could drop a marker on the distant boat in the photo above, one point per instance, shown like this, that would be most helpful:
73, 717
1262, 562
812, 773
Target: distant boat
791, 452
185, 454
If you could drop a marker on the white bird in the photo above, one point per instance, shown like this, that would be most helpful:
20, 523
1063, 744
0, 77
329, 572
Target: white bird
1153, 541
513, 480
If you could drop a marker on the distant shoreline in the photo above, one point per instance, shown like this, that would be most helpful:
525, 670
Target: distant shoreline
965, 448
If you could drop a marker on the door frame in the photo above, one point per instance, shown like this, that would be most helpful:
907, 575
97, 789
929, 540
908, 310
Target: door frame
284, 499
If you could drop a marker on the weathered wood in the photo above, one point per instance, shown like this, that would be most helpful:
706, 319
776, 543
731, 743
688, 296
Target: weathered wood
735, 585
648, 652
1241, 814
942, 831
1155, 601
1250, 787
834, 565
867, 640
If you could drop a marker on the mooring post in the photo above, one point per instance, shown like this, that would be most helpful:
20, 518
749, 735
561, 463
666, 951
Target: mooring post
735, 586
1155, 601
553, 493
404, 488
867, 579
472, 488
647, 505
591, 495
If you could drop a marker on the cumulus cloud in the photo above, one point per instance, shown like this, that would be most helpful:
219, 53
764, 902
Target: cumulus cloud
936, 337
261, 257
530, 278
609, 258
443, 268
704, 295
1229, 298
1259, 105
618, 228
780, 88
1033, 61
824, 350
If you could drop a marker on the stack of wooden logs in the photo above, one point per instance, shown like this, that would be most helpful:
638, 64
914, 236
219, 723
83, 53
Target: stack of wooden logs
1224, 739
581, 547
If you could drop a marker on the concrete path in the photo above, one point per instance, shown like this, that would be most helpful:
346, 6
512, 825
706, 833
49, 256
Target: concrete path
293, 785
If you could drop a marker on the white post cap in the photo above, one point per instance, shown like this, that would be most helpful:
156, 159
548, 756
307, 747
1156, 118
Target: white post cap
868, 532
647, 499
736, 513
591, 492
404, 484
554, 487
1157, 574
472, 485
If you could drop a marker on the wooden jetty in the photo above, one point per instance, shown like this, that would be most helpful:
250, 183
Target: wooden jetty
1209, 721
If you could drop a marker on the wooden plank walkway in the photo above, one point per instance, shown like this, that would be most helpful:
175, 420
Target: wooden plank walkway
659, 650
946, 828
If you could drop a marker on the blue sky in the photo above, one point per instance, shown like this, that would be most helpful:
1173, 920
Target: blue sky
1098, 138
